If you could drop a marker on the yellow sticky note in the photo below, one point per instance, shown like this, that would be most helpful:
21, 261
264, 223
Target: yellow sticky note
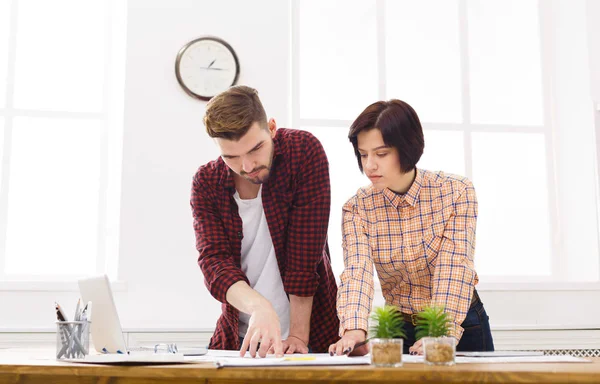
300, 358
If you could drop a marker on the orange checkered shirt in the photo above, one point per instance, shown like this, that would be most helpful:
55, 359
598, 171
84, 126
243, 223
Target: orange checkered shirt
422, 244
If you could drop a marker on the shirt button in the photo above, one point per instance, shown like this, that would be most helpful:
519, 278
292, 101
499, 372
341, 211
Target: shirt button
239, 234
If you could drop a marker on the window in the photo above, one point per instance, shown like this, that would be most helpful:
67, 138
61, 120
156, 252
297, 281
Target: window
61, 99
503, 95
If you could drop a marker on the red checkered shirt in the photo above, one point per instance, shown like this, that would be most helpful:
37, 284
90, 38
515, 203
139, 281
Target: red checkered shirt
296, 200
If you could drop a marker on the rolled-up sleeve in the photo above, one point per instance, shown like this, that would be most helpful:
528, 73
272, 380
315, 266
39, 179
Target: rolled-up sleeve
455, 277
356, 291
308, 220
214, 258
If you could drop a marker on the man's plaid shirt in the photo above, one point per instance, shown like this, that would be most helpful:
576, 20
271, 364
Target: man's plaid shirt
296, 200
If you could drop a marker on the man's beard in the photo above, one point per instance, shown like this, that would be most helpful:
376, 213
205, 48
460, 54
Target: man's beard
256, 180
259, 180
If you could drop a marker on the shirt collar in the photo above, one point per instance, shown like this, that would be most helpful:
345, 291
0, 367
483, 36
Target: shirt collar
225, 178
410, 197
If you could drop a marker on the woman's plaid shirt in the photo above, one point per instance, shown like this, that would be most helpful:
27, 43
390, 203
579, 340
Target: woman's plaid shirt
422, 244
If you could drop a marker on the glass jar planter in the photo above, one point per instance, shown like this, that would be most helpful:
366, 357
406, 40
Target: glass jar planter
439, 350
386, 352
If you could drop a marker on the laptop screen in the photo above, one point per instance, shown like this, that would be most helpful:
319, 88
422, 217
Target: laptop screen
107, 335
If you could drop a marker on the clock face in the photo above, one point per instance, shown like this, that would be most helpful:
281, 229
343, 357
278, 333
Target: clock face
206, 67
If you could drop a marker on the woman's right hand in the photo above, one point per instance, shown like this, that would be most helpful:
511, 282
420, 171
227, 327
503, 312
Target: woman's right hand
346, 344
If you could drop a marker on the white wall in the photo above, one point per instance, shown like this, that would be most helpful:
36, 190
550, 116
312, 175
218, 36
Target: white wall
164, 143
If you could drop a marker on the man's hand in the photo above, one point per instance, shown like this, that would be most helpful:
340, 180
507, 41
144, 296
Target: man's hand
293, 344
263, 328
346, 344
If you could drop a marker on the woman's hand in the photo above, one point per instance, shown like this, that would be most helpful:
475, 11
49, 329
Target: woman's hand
417, 348
346, 344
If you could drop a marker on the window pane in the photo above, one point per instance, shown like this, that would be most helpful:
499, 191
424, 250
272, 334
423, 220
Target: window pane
504, 57
53, 197
345, 181
444, 151
423, 57
338, 58
4, 28
60, 55
513, 228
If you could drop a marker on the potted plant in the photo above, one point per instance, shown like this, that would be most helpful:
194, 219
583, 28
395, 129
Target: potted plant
386, 336
433, 325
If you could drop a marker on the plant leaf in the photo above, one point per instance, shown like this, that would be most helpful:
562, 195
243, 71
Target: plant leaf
432, 321
387, 323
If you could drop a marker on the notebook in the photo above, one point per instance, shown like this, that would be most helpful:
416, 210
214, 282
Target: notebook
107, 334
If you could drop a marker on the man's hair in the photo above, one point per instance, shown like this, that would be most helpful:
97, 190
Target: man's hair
230, 114
400, 128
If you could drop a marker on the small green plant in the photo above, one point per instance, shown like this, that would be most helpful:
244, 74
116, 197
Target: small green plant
432, 321
387, 323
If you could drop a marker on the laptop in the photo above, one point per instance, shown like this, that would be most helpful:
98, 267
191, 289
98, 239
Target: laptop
106, 331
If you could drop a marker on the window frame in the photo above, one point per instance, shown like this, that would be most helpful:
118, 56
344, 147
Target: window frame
111, 117
557, 260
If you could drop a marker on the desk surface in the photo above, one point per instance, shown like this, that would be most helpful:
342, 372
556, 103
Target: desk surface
21, 367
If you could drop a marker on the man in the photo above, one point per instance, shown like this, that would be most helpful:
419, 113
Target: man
261, 213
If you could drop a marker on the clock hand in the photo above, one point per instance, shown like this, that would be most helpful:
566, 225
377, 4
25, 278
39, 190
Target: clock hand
213, 69
211, 63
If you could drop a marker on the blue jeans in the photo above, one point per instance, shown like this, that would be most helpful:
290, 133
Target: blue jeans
476, 337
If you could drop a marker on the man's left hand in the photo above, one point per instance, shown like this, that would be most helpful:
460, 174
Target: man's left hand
293, 345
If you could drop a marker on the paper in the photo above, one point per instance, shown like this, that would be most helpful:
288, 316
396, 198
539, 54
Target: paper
115, 358
500, 353
504, 359
523, 359
233, 359
291, 360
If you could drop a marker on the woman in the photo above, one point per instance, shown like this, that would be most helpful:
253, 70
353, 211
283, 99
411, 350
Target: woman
417, 227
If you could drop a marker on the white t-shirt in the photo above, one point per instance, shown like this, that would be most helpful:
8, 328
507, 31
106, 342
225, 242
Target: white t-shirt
259, 262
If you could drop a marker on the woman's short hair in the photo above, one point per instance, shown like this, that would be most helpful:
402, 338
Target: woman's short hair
400, 128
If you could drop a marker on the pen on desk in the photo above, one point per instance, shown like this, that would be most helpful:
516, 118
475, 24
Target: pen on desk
350, 349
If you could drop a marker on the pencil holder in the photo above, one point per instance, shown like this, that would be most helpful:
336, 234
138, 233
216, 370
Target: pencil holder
72, 339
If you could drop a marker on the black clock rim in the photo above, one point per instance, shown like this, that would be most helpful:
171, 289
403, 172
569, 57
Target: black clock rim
186, 46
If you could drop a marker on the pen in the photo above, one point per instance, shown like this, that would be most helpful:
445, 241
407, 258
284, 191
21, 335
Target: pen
64, 337
60, 315
76, 317
87, 312
350, 349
